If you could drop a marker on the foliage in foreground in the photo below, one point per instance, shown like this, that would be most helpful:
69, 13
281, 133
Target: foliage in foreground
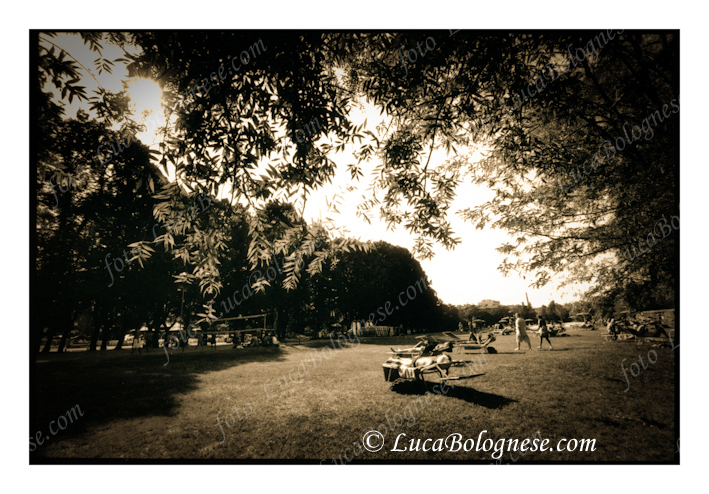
559, 114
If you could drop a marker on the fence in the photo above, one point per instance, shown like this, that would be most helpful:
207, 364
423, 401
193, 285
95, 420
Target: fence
380, 331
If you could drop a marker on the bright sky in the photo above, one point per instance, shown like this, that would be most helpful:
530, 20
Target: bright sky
467, 274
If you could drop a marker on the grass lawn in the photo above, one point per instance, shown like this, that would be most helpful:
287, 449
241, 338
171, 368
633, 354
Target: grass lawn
136, 407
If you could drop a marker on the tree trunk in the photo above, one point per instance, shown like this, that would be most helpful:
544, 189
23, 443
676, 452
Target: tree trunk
35, 340
159, 322
104, 339
68, 323
106, 331
282, 325
50, 337
125, 327
94, 338
98, 322
121, 337
153, 338
63, 339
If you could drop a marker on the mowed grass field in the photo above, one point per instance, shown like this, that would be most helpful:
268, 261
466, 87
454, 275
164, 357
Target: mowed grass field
137, 408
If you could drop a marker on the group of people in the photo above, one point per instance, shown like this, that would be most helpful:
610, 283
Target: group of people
521, 332
639, 328
138, 343
263, 338
205, 339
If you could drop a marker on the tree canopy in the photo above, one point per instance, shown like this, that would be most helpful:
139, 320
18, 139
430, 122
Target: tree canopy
583, 142
256, 118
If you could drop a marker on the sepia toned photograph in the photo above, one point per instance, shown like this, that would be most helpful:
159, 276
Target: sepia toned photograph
333, 247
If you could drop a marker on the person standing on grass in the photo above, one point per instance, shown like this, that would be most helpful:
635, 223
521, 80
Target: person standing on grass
137, 343
521, 332
543, 333
611, 327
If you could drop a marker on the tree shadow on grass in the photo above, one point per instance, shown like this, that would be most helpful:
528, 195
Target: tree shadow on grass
469, 395
613, 379
335, 344
116, 385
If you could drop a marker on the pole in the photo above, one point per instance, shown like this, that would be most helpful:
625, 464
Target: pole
182, 311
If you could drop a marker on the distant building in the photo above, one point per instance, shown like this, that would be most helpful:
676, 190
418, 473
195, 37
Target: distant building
489, 304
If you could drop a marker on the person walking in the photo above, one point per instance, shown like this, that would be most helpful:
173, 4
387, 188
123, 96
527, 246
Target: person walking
521, 332
544, 333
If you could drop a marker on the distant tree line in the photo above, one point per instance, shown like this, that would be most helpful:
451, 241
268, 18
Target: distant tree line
554, 312
90, 283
